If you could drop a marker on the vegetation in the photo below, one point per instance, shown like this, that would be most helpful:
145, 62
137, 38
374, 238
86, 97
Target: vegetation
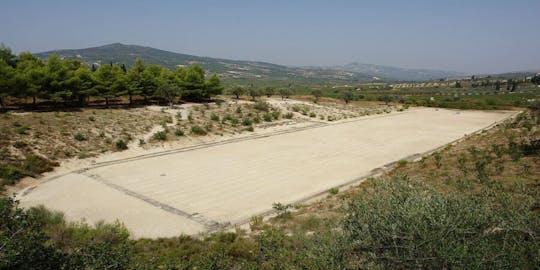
427, 214
71, 82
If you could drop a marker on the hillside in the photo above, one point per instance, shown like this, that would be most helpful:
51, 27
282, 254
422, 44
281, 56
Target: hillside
229, 70
396, 73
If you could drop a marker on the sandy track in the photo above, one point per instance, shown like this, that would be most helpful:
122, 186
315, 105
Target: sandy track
191, 190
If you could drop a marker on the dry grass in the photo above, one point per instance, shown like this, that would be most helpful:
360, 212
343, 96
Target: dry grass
54, 136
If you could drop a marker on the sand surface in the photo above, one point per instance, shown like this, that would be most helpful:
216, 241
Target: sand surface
202, 188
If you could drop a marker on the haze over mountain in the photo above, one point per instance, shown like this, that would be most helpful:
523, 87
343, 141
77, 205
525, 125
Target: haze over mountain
397, 73
244, 70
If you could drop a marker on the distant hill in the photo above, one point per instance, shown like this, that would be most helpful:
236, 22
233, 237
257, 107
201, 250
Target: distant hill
231, 70
396, 73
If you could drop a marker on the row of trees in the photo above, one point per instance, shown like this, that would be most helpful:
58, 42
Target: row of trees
64, 80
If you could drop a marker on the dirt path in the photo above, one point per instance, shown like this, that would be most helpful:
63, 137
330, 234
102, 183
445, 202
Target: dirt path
202, 187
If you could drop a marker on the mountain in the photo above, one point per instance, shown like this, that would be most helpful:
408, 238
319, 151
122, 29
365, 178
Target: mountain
396, 73
229, 70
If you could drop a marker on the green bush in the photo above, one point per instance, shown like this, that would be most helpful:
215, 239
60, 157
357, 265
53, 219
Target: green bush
121, 145
178, 133
289, 115
402, 224
160, 136
267, 117
197, 130
247, 122
276, 114
79, 137
9, 175
214, 117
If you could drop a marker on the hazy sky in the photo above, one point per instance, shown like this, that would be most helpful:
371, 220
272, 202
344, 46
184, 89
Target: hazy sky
472, 36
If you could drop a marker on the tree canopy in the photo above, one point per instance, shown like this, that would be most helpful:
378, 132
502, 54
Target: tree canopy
72, 81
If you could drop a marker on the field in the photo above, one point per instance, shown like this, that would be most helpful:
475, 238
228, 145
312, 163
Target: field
222, 183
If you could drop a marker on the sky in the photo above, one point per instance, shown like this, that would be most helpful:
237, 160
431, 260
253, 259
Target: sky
474, 36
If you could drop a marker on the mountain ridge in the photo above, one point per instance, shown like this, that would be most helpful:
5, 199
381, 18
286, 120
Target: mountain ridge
245, 70
225, 68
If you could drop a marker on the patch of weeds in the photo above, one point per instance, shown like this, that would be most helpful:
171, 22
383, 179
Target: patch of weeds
22, 129
312, 115
214, 117
197, 130
402, 163
256, 223
333, 191
289, 115
282, 210
79, 137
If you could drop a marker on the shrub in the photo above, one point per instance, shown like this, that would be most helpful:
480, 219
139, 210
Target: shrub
214, 117
121, 145
289, 115
178, 133
91, 118
234, 121
282, 210
9, 175
239, 109
142, 142
250, 129
197, 130
79, 137
247, 122
160, 136
267, 117
262, 106
312, 115
257, 119
276, 114
404, 225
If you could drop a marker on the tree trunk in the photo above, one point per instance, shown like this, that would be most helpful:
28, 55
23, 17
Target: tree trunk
34, 101
107, 102
130, 100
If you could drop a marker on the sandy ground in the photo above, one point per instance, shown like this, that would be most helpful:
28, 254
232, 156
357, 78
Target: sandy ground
199, 188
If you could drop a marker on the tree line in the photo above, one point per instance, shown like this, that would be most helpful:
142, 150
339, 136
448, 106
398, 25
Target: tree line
27, 76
